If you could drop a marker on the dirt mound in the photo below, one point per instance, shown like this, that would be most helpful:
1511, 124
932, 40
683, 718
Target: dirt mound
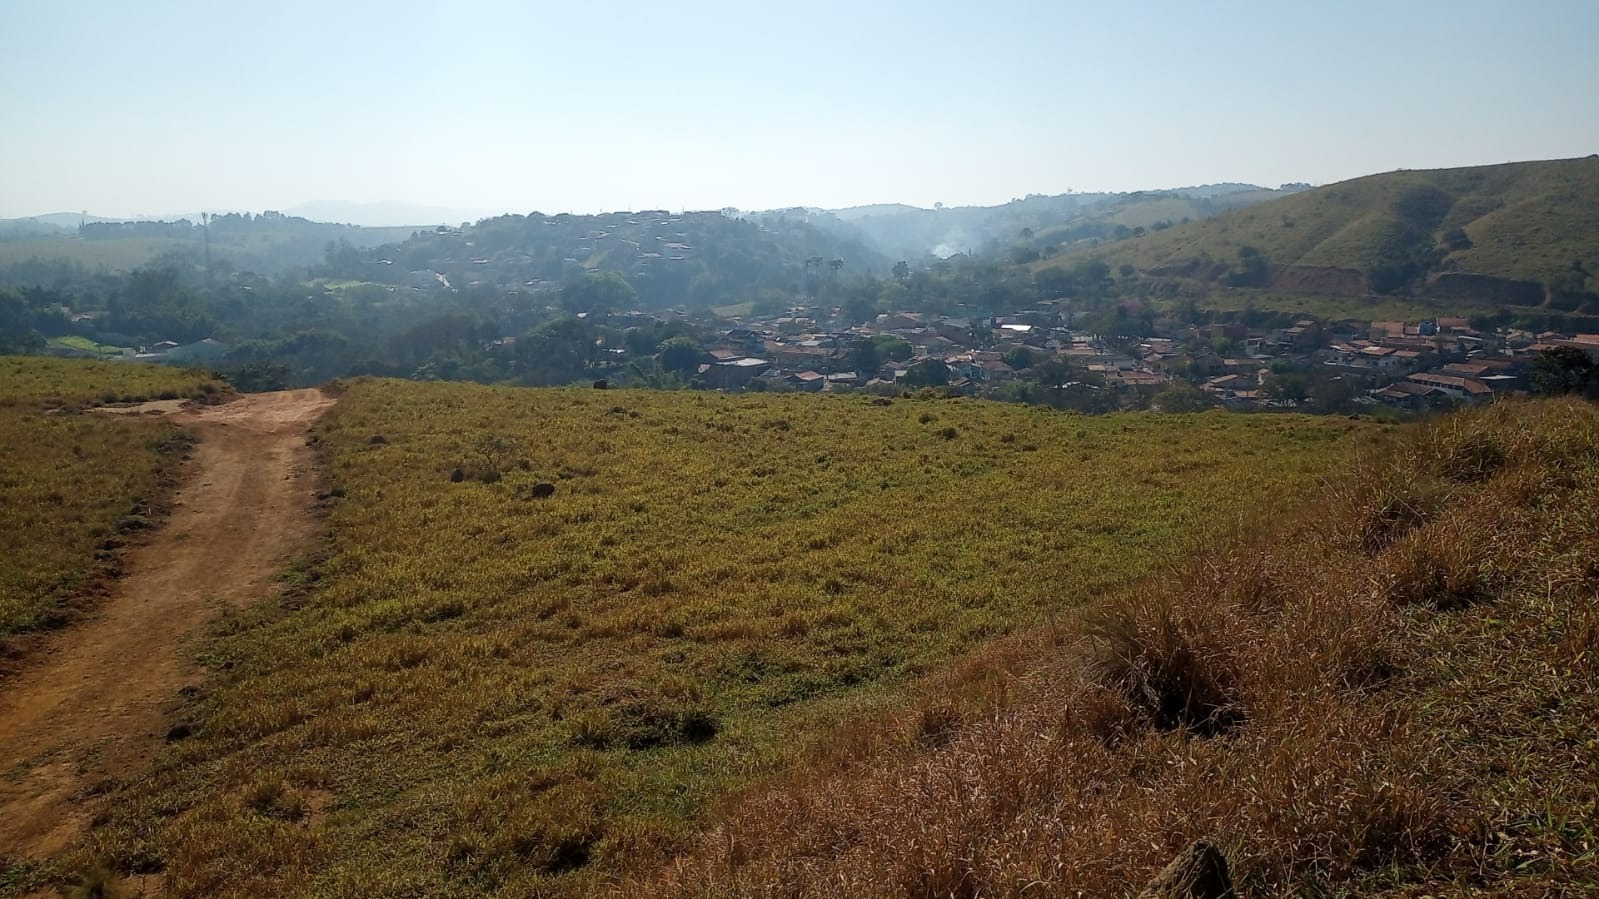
1484, 289
1345, 282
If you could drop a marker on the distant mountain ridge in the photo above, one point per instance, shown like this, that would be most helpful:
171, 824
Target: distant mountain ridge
911, 232
385, 214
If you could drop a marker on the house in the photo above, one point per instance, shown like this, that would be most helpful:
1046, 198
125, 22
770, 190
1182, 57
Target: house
1303, 336
958, 330
1467, 389
734, 373
1134, 379
1588, 343
1227, 385
902, 321
750, 341
1406, 395
1379, 357
797, 355
207, 350
996, 371
808, 381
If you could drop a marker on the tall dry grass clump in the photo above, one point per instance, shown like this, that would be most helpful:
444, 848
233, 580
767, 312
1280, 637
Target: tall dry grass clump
1388, 692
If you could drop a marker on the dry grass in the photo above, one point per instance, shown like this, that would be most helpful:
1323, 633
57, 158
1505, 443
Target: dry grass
515, 694
1391, 693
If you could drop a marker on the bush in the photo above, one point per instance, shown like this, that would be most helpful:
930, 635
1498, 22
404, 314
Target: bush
1168, 664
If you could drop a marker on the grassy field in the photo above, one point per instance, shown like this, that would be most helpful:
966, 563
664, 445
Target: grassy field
1335, 308
482, 690
83, 345
1527, 221
68, 482
40, 381
1389, 693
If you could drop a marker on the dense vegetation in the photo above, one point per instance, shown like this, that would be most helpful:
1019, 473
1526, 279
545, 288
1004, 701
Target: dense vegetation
71, 484
489, 686
1389, 693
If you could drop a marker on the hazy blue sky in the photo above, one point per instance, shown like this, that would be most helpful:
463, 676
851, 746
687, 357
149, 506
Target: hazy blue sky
147, 107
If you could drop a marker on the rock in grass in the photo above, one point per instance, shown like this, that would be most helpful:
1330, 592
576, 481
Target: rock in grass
1200, 872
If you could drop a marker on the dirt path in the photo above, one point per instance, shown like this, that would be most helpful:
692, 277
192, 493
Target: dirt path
90, 711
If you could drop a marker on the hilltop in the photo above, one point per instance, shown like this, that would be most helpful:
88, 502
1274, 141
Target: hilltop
1522, 234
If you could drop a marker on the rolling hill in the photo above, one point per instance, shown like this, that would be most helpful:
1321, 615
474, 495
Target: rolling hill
1523, 234
696, 259
481, 688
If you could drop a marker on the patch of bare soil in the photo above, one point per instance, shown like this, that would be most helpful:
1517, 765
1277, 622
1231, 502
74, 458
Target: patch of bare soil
90, 710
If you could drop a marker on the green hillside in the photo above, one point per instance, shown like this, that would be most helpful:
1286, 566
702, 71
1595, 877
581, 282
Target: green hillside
1416, 232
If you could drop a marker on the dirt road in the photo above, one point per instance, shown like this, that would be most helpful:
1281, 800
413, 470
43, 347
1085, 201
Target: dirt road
90, 711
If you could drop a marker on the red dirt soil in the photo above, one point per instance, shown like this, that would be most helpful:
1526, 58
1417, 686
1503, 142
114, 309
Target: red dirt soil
91, 710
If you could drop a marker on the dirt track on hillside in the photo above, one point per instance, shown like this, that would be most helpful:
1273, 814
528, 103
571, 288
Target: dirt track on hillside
91, 710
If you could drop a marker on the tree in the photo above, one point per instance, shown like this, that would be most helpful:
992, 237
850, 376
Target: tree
681, 355
893, 347
1292, 388
858, 309
557, 353
1021, 357
927, 373
1180, 397
599, 293
902, 271
863, 357
154, 305
16, 334
1252, 269
1564, 370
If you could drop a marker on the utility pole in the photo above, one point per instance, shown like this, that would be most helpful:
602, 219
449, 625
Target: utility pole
205, 232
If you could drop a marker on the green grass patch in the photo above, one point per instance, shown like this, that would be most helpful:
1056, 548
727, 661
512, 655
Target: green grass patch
736, 310
72, 487
497, 691
1336, 308
43, 381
